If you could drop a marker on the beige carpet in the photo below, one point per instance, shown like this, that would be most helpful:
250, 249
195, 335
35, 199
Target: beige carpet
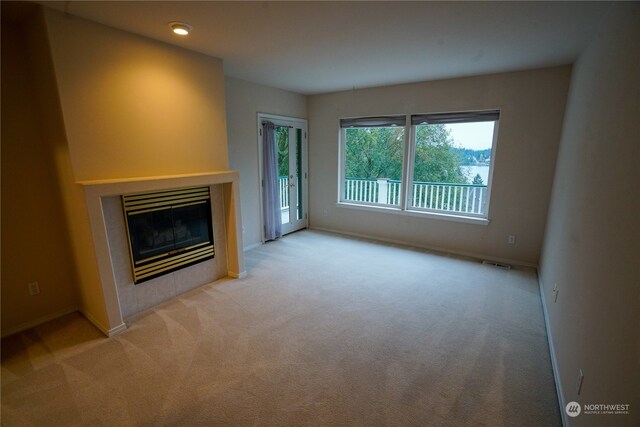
324, 331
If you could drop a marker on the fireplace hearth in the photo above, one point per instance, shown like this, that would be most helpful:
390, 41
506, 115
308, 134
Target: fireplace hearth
168, 230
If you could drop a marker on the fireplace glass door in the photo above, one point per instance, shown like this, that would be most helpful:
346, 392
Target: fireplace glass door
168, 230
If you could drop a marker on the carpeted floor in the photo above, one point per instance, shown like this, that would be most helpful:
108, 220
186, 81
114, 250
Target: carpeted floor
325, 331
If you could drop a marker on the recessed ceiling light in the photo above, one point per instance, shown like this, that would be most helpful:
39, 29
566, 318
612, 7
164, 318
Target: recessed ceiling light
180, 28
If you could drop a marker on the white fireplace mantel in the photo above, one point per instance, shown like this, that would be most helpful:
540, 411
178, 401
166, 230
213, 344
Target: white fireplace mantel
95, 191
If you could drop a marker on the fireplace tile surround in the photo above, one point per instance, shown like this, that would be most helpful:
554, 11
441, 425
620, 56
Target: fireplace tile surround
137, 298
122, 298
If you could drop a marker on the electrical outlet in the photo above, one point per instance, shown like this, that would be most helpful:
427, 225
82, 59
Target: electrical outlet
34, 288
579, 381
511, 239
555, 293
325, 213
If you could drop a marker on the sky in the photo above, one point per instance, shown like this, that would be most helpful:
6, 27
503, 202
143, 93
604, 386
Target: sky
476, 136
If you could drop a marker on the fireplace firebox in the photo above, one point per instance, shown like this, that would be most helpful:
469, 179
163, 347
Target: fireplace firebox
168, 230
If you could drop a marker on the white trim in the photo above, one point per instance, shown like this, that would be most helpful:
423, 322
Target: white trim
294, 122
415, 213
290, 119
33, 323
552, 353
117, 330
408, 166
409, 160
39, 321
108, 332
443, 251
494, 143
342, 142
235, 275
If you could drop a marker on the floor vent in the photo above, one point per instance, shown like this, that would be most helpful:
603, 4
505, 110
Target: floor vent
497, 264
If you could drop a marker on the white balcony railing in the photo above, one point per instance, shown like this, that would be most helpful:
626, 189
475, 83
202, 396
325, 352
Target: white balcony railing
461, 198
283, 187
464, 198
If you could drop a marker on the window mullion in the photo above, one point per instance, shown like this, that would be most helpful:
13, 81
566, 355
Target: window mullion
406, 163
342, 153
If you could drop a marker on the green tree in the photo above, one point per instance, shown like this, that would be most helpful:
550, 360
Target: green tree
436, 159
282, 143
374, 152
378, 153
477, 180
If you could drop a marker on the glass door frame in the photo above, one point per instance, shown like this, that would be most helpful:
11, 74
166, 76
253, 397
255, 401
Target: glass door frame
294, 124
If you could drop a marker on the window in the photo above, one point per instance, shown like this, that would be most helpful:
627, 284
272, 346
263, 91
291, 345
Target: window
373, 160
447, 171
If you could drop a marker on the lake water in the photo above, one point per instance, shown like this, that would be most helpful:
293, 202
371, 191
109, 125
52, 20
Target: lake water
471, 172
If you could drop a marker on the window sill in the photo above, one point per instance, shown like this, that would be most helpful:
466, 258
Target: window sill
416, 213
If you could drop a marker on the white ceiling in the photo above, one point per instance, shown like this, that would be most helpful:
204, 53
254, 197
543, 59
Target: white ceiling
316, 47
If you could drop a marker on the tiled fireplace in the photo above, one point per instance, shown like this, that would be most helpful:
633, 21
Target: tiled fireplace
123, 298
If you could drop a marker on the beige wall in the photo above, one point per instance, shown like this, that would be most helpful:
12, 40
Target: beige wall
110, 105
136, 107
532, 105
91, 301
35, 242
592, 242
244, 101
131, 107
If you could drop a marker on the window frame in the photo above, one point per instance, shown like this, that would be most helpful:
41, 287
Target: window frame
405, 206
342, 151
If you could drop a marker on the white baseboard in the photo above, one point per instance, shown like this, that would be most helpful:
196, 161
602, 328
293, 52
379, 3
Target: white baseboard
237, 275
33, 323
552, 353
117, 330
430, 248
108, 332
